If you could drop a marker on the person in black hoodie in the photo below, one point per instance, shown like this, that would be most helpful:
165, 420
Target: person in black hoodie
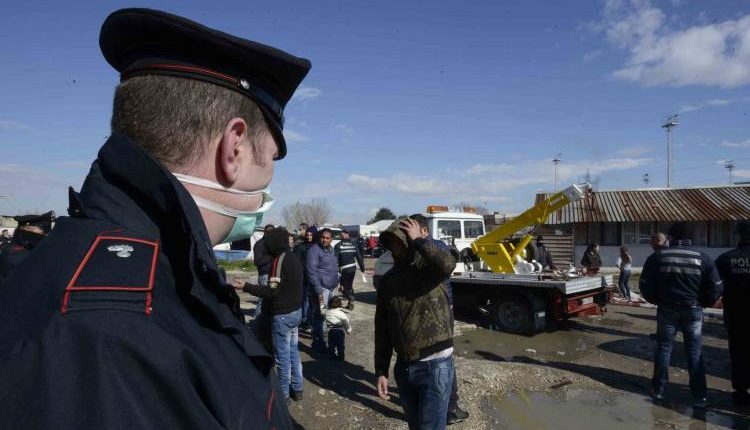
282, 303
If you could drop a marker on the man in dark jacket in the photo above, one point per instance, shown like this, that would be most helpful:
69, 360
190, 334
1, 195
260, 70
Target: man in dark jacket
120, 318
321, 270
413, 317
30, 231
681, 281
544, 257
591, 260
300, 250
262, 256
349, 258
734, 268
282, 302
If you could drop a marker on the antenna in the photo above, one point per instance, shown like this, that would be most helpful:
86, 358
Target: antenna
646, 179
729, 165
669, 123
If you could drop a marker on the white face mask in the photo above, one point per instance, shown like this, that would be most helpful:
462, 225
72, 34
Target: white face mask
244, 221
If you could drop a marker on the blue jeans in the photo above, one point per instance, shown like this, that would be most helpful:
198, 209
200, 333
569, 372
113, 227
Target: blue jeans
319, 321
689, 319
623, 283
425, 388
336, 343
306, 319
286, 352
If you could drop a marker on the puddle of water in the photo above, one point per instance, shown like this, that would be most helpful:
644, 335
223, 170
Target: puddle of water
559, 346
589, 409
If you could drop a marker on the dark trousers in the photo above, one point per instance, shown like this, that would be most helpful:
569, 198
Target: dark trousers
336, 343
688, 319
347, 283
739, 352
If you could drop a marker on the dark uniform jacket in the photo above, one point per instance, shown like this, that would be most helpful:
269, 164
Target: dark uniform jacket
413, 313
734, 268
679, 276
120, 319
349, 256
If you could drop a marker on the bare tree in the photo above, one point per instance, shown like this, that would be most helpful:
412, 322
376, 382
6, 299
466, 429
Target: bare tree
315, 212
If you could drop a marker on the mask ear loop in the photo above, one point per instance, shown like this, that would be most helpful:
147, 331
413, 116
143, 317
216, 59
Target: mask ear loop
202, 182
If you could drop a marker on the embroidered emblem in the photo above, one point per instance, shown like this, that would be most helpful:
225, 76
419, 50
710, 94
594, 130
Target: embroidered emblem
123, 251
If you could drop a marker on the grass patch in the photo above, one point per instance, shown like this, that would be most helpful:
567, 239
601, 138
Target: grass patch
244, 265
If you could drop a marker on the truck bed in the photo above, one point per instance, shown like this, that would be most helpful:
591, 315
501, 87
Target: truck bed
567, 287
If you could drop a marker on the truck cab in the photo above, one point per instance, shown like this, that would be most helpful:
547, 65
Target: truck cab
459, 229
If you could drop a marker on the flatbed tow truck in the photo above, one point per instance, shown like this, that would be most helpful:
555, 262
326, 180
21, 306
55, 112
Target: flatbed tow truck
498, 279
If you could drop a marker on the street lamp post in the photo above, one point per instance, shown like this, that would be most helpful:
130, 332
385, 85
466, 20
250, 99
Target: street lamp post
556, 161
669, 123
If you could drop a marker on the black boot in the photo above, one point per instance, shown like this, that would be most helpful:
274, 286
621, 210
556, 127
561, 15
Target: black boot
457, 415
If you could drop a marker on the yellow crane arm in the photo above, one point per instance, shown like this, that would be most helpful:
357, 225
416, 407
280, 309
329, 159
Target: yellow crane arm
495, 249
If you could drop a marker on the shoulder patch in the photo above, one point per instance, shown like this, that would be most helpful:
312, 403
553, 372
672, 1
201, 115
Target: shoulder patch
117, 272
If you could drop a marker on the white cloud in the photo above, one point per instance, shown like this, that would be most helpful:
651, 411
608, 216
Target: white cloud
305, 93
714, 54
489, 182
295, 136
635, 151
692, 107
8, 125
742, 173
591, 56
743, 144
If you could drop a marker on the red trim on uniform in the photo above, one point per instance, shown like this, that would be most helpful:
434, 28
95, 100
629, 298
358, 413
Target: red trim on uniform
147, 289
189, 69
270, 404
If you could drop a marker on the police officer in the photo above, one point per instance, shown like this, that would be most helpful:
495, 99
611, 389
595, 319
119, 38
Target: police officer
30, 231
349, 257
681, 281
121, 318
734, 268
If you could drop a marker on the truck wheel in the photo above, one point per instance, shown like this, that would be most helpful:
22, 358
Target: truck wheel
512, 314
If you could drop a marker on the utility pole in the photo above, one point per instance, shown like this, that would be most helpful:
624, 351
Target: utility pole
556, 161
729, 165
669, 123
646, 179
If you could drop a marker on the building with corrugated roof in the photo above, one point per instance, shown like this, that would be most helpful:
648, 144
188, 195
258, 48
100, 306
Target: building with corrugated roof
613, 218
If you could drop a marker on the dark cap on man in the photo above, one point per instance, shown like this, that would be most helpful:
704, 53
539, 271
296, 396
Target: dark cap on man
140, 42
43, 221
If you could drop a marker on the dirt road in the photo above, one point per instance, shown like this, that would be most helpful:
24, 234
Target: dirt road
594, 373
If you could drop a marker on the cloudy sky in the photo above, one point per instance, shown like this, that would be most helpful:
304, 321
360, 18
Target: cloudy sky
417, 103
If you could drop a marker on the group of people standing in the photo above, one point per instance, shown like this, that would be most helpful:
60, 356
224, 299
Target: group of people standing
297, 282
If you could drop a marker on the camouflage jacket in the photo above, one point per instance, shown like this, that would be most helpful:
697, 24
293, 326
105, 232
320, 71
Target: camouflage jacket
413, 314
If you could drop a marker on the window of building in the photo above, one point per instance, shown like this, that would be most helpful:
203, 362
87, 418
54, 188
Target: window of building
611, 233
629, 233
449, 228
645, 230
473, 229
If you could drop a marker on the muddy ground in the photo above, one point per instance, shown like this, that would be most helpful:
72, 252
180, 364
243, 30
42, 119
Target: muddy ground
593, 373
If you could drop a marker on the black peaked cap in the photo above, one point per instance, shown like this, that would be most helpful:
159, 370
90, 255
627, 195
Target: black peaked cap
144, 41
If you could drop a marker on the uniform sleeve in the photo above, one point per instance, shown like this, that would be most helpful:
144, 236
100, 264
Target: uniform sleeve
383, 344
647, 283
337, 252
711, 287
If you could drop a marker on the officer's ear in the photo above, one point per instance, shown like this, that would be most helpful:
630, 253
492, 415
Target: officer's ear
232, 151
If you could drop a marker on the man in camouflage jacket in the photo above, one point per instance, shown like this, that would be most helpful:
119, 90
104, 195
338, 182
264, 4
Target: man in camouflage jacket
413, 317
